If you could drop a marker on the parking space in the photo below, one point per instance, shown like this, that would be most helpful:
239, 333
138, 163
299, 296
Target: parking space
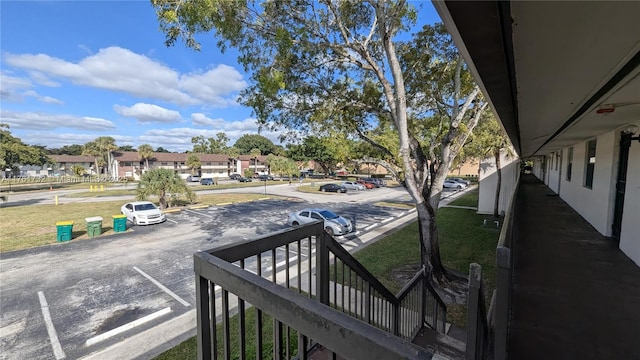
91, 294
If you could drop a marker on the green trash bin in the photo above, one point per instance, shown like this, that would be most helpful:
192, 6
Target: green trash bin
65, 230
94, 226
119, 223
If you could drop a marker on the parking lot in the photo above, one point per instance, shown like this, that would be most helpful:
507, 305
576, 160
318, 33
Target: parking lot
70, 301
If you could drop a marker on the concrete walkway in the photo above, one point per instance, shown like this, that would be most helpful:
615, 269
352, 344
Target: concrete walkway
575, 294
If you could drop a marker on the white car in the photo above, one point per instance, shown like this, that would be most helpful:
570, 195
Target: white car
333, 224
142, 213
450, 184
352, 185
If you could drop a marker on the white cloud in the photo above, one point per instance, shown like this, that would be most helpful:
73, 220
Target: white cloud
57, 140
42, 121
200, 119
212, 86
148, 113
45, 99
15, 89
121, 70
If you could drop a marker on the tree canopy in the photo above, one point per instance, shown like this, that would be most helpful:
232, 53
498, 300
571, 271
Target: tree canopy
211, 145
342, 66
14, 152
248, 142
160, 182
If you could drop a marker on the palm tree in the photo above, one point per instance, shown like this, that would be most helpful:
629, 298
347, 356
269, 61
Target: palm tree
145, 152
158, 182
106, 145
193, 163
91, 149
255, 152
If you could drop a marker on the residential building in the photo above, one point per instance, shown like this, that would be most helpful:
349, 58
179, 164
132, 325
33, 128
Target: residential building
129, 164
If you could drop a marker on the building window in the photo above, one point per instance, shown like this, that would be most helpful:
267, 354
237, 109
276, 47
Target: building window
221, 164
590, 164
127, 163
163, 163
569, 163
208, 164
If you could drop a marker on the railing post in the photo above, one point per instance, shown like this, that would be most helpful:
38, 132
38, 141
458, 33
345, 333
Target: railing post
367, 303
501, 313
322, 268
475, 278
203, 318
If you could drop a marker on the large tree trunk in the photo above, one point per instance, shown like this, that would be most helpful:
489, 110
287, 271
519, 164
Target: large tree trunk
429, 244
496, 205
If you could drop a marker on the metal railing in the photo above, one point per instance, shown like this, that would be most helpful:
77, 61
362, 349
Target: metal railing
307, 261
490, 340
477, 324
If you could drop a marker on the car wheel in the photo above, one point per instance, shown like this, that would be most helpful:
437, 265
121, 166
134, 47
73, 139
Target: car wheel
134, 221
329, 231
323, 190
295, 223
459, 187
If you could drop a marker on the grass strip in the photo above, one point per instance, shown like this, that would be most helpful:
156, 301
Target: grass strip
189, 349
469, 199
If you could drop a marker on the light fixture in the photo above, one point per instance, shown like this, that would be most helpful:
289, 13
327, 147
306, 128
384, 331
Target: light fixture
630, 130
606, 109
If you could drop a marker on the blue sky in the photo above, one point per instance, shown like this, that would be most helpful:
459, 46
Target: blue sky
72, 71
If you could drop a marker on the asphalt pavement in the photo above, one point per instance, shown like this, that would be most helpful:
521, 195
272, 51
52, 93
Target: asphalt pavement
132, 295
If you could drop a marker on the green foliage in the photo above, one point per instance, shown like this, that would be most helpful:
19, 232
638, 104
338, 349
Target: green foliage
216, 145
66, 150
145, 152
193, 163
14, 152
126, 148
233, 152
161, 182
282, 166
160, 149
77, 170
248, 142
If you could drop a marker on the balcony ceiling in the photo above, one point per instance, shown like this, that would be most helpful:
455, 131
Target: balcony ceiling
548, 66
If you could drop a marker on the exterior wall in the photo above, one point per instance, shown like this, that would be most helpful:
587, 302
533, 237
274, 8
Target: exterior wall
554, 171
488, 180
630, 235
595, 204
469, 168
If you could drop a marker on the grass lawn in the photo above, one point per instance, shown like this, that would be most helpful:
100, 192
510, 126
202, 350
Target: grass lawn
189, 349
463, 240
31, 226
469, 199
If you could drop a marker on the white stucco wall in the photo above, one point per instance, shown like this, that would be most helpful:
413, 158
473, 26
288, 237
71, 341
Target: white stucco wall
630, 235
488, 179
595, 204
554, 171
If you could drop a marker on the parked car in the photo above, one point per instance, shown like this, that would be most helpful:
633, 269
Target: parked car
352, 185
206, 181
193, 178
450, 184
332, 188
372, 181
377, 181
244, 179
142, 213
235, 176
333, 224
461, 180
265, 177
367, 184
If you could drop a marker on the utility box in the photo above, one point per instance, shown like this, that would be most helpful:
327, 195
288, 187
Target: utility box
94, 226
119, 223
64, 230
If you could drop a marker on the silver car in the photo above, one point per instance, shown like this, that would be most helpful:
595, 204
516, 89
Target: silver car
333, 224
142, 213
352, 185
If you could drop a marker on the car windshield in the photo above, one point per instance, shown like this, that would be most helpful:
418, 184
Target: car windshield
142, 207
328, 214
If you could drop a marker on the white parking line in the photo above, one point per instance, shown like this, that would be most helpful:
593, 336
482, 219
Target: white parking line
125, 327
175, 222
162, 287
386, 220
198, 213
371, 226
53, 336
